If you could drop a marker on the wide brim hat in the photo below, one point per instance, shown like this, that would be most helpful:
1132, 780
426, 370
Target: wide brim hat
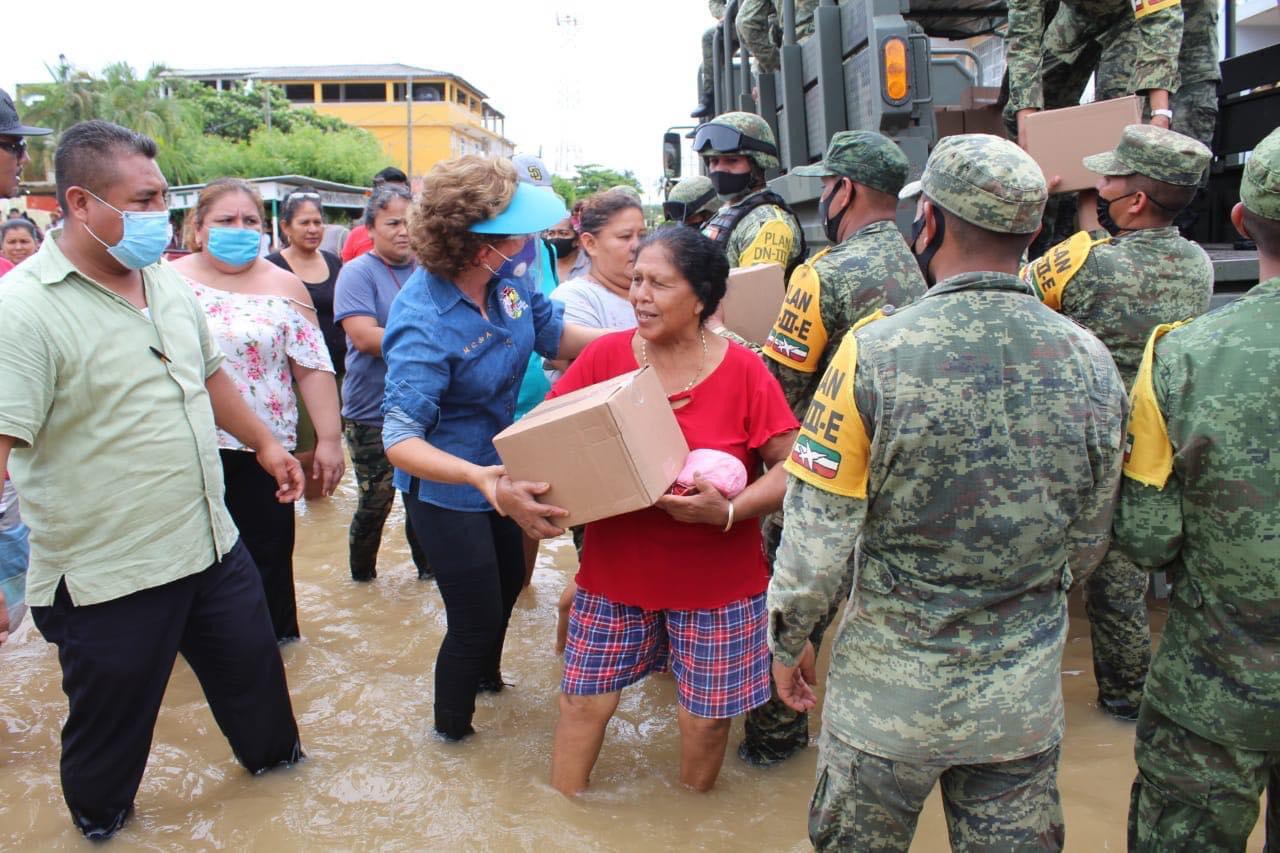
531, 209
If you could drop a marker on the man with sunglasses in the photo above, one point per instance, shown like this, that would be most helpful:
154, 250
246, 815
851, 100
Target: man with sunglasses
13, 145
755, 226
691, 202
866, 272
1127, 273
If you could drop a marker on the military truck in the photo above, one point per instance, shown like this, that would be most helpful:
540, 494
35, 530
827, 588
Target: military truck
913, 70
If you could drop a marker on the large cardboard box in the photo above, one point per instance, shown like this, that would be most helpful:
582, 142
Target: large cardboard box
606, 449
1060, 139
753, 299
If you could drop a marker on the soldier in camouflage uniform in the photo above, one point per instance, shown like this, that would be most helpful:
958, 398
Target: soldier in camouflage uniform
759, 25
755, 226
691, 202
969, 447
867, 267
1120, 288
1050, 59
1195, 98
1201, 497
706, 104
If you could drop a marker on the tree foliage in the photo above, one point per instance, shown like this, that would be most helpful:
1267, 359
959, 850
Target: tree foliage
201, 133
593, 178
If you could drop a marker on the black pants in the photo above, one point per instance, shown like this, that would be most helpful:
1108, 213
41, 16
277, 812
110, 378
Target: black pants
116, 660
266, 528
478, 558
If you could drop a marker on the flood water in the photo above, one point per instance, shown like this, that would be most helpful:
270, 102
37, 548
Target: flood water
375, 777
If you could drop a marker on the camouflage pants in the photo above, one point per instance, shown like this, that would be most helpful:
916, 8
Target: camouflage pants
373, 476
774, 732
705, 71
1115, 601
1192, 793
759, 25
864, 802
1195, 101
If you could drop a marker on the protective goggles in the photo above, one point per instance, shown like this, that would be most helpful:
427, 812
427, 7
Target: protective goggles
720, 137
679, 211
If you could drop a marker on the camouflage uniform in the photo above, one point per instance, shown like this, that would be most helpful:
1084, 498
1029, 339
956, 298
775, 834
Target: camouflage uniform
1194, 100
716, 8
1120, 289
1201, 497
826, 297
1050, 59
968, 447
373, 476
759, 26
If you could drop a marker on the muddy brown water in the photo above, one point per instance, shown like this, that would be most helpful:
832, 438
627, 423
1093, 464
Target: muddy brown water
375, 778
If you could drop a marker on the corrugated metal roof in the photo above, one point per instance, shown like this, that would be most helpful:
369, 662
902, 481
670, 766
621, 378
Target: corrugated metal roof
391, 71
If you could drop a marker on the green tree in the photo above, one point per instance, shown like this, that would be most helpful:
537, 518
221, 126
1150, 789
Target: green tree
593, 177
119, 96
201, 133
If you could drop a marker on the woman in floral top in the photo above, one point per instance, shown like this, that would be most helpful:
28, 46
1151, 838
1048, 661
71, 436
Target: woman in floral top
263, 319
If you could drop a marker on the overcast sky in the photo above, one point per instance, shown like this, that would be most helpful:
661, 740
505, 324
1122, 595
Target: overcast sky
602, 92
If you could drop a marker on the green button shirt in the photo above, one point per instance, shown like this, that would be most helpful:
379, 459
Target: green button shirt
116, 458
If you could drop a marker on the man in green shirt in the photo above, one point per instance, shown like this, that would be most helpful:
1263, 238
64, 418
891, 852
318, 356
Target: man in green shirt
1201, 499
110, 388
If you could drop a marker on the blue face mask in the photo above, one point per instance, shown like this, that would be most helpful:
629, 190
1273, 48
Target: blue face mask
145, 237
234, 246
519, 264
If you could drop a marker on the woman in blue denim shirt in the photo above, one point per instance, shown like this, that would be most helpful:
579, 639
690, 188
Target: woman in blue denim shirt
456, 344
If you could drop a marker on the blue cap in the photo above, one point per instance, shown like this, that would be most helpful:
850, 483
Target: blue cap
532, 209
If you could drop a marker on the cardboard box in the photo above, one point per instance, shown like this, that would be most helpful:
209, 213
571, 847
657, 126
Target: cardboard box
979, 119
606, 449
753, 299
1060, 139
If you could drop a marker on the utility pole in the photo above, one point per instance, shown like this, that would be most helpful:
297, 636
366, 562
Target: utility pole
408, 125
266, 100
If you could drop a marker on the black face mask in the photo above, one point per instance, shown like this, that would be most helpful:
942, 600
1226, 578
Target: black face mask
730, 184
563, 245
831, 224
1104, 213
926, 257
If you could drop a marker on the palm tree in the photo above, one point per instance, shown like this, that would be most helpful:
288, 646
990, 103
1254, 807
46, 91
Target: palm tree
119, 96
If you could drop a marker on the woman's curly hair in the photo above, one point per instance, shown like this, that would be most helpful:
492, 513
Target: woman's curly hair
457, 194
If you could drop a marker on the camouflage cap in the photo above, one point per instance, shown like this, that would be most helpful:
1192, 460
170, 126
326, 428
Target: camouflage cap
1260, 185
753, 127
986, 181
864, 156
1155, 153
696, 192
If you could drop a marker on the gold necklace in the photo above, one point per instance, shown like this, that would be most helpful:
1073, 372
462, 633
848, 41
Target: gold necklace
702, 333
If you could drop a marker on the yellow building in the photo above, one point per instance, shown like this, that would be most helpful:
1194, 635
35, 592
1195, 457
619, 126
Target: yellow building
445, 117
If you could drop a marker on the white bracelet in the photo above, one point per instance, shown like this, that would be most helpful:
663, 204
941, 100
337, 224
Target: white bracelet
1166, 113
729, 523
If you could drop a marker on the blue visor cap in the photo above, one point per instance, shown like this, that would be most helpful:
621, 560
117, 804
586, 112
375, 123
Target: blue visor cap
532, 209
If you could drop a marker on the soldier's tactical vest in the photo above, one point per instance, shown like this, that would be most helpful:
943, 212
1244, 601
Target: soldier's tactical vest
721, 226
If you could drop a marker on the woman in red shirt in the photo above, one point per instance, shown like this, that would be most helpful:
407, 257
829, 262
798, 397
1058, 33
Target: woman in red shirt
683, 581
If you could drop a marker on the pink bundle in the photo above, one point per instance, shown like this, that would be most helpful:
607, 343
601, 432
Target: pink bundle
721, 469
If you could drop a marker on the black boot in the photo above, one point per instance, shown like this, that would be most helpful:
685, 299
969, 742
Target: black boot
706, 109
452, 726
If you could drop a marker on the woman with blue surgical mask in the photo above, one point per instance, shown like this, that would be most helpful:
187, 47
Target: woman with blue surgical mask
263, 320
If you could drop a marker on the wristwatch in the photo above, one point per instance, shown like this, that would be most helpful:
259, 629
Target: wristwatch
1166, 113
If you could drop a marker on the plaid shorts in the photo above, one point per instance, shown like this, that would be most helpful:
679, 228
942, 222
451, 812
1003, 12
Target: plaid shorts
719, 657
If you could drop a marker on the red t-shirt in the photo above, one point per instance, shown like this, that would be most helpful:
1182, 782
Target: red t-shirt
358, 242
648, 559
5, 266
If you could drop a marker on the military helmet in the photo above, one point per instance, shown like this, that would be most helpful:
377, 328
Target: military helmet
746, 134
693, 195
